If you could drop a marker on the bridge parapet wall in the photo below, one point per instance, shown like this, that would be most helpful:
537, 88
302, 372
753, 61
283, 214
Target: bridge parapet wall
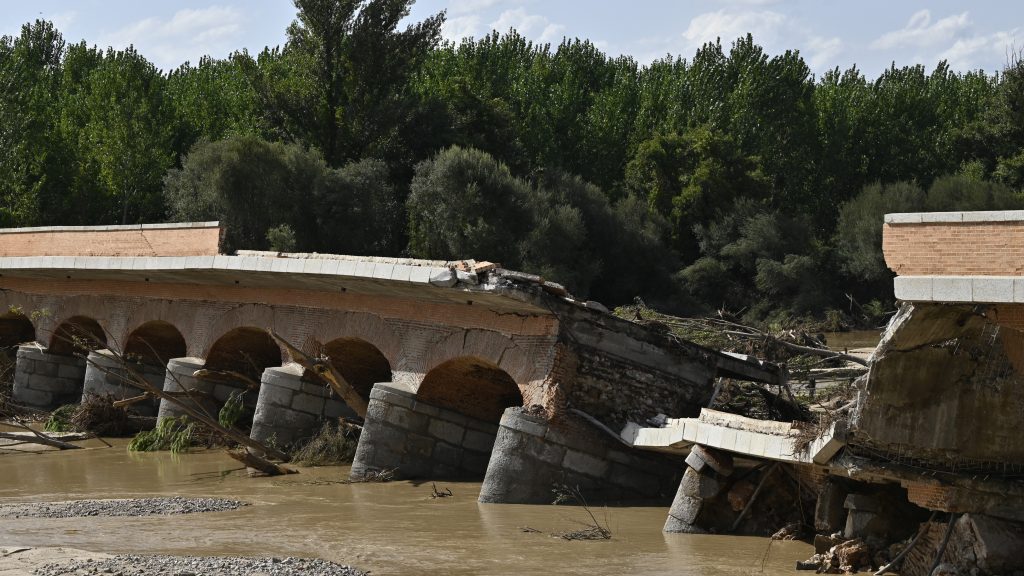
956, 256
176, 239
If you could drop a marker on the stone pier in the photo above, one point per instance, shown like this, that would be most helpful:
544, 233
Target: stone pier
106, 375
291, 408
419, 440
45, 381
179, 378
532, 455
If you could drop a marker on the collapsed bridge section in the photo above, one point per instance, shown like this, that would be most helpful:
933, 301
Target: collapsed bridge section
459, 364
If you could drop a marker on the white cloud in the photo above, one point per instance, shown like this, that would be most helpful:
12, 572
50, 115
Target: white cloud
771, 30
921, 32
821, 53
533, 26
187, 35
459, 27
973, 52
465, 6
731, 24
750, 2
63, 20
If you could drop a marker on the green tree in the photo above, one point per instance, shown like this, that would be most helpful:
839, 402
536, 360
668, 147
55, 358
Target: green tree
359, 211
356, 65
465, 204
691, 178
251, 186
127, 134
35, 159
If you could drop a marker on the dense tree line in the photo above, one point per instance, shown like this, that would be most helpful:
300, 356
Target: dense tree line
731, 179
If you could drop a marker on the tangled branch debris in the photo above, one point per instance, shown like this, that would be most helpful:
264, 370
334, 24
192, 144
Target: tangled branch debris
593, 530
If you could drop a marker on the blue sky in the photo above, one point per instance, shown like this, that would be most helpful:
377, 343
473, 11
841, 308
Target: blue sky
869, 33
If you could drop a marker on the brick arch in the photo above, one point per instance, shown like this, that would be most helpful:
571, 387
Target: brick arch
360, 362
155, 342
15, 328
523, 363
75, 332
472, 386
255, 316
184, 318
246, 349
367, 327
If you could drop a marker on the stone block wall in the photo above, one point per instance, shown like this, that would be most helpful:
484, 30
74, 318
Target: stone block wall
179, 378
420, 440
290, 409
105, 375
532, 455
45, 381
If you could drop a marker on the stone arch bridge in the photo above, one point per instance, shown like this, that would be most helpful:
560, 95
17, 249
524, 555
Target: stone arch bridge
469, 370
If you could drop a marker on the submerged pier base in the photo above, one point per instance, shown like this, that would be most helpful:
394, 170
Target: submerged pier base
413, 439
533, 458
45, 381
107, 375
291, 408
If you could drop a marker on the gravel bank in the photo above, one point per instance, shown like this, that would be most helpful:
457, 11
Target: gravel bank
132, 565
118, 507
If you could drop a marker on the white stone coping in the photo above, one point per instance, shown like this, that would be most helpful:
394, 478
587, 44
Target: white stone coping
360, 269
948, 217
112, 228
679, 435
374, 259
980, 289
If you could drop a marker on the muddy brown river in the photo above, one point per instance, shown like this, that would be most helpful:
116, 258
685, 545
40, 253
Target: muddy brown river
392, 528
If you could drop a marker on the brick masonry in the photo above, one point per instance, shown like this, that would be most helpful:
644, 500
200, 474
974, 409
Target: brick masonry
954, 248
415, 336
45, 381
419, 440
290, 408
192, 239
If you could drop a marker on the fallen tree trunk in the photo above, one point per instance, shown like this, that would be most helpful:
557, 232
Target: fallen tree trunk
137, 380
39, 439
823, 352
262, 464
323, 368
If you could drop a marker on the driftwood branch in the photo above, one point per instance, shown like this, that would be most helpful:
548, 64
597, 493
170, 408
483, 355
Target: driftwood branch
262, 464
824, 353
137, 380
323, 368
40, 438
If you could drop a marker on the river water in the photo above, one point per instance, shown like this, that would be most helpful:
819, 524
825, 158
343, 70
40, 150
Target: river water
392, 528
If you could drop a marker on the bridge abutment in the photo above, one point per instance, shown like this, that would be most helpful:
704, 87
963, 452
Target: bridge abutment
420, 440
46, 381
290, 408
107, 375
533, 456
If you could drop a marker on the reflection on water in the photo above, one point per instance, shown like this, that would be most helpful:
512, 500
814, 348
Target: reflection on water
393, 528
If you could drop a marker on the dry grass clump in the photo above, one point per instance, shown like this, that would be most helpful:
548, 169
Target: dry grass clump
334, 445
